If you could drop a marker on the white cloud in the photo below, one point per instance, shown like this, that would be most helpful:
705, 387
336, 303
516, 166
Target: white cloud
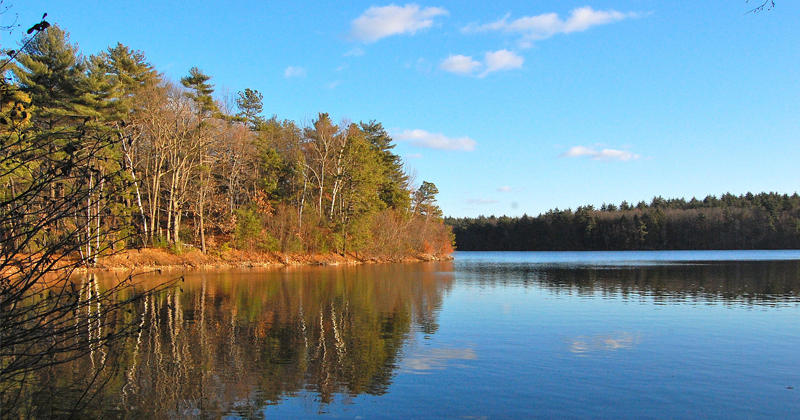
292, 71
494, 61
502, 60
494, 26
461, 64
414, 156
577, 151
611, 154
380, 22
504, 189
534, 28
422, 138
605, 154
585, 17
332, 85
355, 52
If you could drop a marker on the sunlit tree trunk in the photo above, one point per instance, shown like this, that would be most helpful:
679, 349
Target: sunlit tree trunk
129, 161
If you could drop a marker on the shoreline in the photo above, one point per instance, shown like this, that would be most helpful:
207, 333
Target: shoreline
156, 258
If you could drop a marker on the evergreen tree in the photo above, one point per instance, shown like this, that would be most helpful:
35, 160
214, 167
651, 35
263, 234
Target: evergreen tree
119, 76
124, 73
53, 72
200, 90
360, 179
425, 201
197, 156
250, 104
393, 188
69, 108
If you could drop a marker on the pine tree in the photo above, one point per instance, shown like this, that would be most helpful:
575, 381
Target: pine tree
53, 72
122, 73
360, 179
116, 76
200, 91
425, 201
250, 104
393, 188
196, 157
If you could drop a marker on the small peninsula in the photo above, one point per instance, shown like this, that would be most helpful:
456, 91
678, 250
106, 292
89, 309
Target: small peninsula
105, 160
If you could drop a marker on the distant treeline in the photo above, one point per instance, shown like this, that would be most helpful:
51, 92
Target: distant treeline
749, 221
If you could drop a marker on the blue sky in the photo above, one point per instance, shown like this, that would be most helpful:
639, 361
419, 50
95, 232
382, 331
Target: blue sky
508, 107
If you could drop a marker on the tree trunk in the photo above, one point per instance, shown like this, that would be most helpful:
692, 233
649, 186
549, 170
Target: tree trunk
202, 229
97, 220
136, 187
89, 219
302, 204
176, 224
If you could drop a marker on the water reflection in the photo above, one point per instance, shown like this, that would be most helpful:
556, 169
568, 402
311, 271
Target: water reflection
739, 282
436, 359
236, 342
583, 345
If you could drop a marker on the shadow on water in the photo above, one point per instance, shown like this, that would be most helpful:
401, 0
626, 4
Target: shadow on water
234, 342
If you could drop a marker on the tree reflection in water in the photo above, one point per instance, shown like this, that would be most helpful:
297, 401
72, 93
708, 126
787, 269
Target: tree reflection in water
236, 341
738, 282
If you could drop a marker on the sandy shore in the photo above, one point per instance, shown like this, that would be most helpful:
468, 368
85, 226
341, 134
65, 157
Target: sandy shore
155, 258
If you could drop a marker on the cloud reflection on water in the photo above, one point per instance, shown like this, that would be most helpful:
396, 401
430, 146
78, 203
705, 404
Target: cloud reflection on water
586, 345
435, 359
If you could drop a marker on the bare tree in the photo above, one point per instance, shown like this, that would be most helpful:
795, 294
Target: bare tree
56, 190
50, 227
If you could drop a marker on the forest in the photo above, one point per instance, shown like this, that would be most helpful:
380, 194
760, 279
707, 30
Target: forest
102, 155
106, 152
748, 221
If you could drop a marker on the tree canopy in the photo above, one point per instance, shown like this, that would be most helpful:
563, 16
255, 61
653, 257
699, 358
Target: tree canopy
748, 221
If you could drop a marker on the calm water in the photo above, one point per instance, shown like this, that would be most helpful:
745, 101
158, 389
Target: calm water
490, 335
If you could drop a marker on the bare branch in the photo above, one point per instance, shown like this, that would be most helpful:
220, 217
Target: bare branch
765, 5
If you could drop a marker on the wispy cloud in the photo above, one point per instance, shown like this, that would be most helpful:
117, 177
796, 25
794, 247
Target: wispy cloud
493, 61
605, 154
355, 52
502, 60
422, 138
333, 85
546, 25
480, 201
461, 64
292, 71
504, 189
379, 22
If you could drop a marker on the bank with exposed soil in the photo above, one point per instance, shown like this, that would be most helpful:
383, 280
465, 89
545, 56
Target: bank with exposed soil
156, 258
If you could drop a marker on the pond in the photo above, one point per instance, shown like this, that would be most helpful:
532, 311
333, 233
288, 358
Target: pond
489, 335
